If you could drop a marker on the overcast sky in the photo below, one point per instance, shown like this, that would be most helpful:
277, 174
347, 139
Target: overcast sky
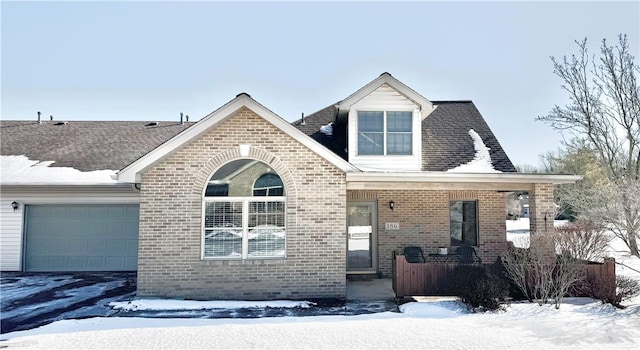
152, 60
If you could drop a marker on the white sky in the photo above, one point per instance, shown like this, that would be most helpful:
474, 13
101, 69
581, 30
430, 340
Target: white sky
152, 60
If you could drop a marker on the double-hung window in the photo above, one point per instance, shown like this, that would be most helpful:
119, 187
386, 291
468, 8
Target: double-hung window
244, 212
463, 223
385, 132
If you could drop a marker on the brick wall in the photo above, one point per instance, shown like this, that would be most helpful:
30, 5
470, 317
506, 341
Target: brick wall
424, 221
540, 206
169, 261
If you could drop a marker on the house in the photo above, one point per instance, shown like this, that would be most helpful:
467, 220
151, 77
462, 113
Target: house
245, 205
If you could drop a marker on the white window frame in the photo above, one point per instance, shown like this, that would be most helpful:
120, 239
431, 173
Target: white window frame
385, 133
245, 225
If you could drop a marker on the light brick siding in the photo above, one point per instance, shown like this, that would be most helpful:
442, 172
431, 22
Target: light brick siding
169, 261
540, 206
424, 221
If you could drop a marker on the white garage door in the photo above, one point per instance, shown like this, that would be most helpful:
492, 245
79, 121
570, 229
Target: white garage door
81, 237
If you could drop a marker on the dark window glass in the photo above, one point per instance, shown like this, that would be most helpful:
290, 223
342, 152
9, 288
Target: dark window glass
370, 133
463, 223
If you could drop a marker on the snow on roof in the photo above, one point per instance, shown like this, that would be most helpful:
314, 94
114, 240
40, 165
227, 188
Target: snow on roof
22, 170
327, 129
481, 162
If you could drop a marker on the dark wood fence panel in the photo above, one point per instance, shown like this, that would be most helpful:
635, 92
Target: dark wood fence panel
430, 279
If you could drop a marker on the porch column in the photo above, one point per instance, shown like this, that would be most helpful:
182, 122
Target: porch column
540, 206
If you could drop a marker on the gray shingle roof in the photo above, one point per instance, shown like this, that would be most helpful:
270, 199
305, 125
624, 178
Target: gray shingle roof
337, 142
99, 145
85, 145
446, 143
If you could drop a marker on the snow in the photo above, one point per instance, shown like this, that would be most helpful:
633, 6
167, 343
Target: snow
580, 323
481, 162
327, 129
22, 170
164, 304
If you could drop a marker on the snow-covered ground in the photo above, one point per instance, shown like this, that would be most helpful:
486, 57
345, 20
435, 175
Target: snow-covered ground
580, 323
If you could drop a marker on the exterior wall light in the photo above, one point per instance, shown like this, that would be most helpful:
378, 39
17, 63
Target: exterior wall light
14, 205
392, 205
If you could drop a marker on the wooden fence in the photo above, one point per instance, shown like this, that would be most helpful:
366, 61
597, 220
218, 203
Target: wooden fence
431, 279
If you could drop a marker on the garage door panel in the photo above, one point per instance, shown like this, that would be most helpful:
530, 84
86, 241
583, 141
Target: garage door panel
81, 238
96, 262
97, 246
77, 247
75, 263
96, 212
58, 212
114, 245
132, 247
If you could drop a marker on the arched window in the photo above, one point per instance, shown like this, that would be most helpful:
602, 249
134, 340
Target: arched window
239, 221
268, 184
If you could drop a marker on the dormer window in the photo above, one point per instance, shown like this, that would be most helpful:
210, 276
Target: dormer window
385, 133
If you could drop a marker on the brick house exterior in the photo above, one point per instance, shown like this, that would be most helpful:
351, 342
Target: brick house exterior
170, 262
341, 197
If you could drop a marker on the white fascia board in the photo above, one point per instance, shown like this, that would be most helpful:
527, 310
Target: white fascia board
66, 184
386, 78
131, 173
463, 177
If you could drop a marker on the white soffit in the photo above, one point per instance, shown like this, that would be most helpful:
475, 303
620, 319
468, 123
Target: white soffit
131, 173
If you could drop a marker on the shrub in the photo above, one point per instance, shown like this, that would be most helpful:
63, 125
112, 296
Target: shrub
477, 288
612, 291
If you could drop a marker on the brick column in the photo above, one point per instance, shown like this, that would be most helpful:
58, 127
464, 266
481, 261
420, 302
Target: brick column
541, 204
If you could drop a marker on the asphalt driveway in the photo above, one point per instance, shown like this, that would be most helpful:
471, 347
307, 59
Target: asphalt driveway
32, 300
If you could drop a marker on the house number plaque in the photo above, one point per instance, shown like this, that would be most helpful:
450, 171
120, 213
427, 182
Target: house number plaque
392, 226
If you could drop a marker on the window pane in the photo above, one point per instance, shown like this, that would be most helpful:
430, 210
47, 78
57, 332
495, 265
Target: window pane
456, 234
399, 143
456, 211
370, 143
470, 233
223, 214
217, 190
223, 243
266, 229
399, 121
223, 229
469, 211
370, 121
268, 184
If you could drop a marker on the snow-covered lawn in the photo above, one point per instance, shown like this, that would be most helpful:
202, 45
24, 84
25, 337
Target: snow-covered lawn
580, 323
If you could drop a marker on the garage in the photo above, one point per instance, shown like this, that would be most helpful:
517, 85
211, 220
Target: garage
81, 237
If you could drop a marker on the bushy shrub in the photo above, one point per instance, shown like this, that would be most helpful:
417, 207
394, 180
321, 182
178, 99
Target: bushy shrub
612, 291
477, 288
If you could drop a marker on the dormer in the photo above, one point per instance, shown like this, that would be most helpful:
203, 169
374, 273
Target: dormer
384, 125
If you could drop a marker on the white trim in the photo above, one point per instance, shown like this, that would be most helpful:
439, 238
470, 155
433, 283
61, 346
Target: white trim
425, 105
131, 173
433, 176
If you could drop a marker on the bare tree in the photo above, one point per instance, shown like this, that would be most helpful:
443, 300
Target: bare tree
604, 114
513, 205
